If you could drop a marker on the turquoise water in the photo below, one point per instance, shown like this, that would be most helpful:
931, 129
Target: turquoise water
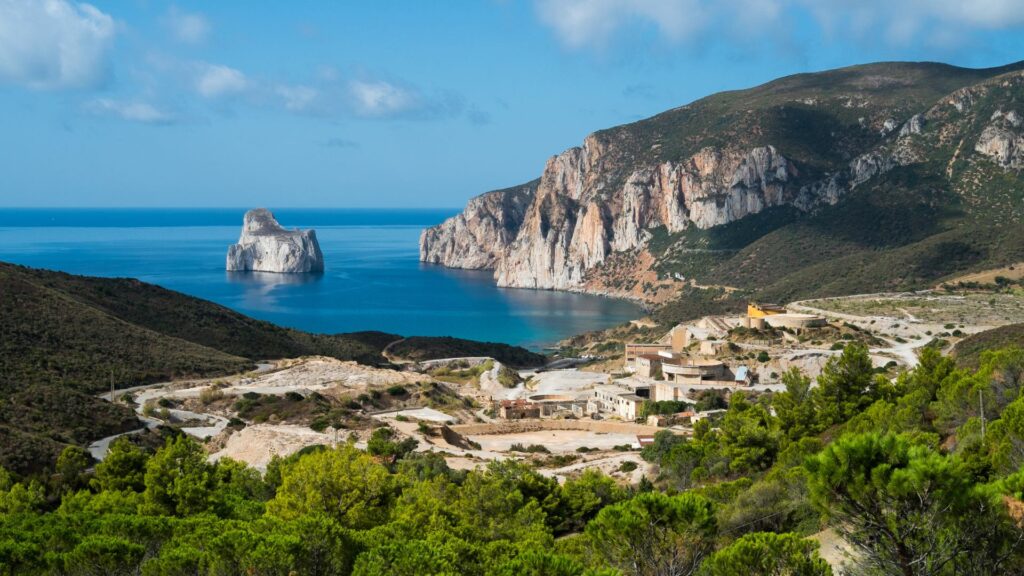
373, 279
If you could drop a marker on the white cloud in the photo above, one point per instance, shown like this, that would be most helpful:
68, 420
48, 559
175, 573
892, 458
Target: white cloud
188, 27
593, 23
581, 23
54, 44
378, 98
132, 111
298, 98
216, 81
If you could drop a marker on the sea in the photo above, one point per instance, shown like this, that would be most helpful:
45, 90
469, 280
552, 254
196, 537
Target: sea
373, 278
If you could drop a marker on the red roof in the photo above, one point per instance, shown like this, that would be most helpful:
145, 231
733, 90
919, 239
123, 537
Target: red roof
645, 440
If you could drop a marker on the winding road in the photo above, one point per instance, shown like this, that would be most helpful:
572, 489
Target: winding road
140, 394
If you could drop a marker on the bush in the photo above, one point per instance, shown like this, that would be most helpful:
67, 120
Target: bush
763, 356
628, 466
210, 395
397, 391
531, 449
294, 396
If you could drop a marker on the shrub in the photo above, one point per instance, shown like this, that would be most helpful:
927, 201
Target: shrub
531, 449
397, 391
628, 466
294, 396
210, 395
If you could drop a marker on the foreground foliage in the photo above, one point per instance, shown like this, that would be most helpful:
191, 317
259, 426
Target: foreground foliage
902, 471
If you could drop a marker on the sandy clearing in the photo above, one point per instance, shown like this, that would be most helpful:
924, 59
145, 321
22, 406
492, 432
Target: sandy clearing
557, 441
1013, 272
569, 382
609, 465
258, 443
428, 414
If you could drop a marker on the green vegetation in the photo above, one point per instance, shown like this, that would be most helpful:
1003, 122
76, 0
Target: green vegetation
969, 350
65, 338
949, 211
418, 348
903, 471
662, 408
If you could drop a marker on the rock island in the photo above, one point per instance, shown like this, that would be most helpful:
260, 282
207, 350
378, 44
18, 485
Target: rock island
265, 246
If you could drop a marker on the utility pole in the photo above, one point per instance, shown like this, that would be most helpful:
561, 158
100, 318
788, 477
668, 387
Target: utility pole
111, 385
981, 403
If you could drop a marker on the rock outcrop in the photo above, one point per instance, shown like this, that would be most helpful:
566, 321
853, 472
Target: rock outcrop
1003, 140
548, 234
265, 246
478, 236
597, 207
571, 227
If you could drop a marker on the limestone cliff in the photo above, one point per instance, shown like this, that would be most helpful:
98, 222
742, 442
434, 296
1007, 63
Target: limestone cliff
265, 246
789, 144
1003, 139
480, 235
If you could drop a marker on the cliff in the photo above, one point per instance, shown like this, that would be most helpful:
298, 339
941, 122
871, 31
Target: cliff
267, 247
637, 210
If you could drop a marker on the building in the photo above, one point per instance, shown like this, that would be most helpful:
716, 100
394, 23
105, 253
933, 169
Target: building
684, 370
678, 339
644, 440
624, 403
635, 350
758, 310
795, 321
772, 315
712, 347
744, 376
518, 409
648, 365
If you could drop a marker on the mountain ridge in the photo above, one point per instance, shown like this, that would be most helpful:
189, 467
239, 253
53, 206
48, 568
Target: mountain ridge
807, 143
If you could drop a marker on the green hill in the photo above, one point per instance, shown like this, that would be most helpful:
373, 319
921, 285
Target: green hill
65, 338
885, 176
936, 208
967, 352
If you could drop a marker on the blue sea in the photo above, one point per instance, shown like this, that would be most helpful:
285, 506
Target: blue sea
373, 278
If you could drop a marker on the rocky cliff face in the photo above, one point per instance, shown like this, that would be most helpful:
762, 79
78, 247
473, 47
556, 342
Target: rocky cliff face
1003, 139
574, 224
550, 234
481, 234
267, 247
706, 165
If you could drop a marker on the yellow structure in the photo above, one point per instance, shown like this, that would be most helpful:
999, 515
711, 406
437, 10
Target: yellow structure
755, 310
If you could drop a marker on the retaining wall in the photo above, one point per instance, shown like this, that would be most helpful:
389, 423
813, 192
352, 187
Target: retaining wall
518, 426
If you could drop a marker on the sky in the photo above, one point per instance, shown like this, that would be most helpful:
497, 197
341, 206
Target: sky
399, 104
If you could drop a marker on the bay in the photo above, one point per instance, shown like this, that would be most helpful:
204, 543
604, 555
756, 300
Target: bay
373, 278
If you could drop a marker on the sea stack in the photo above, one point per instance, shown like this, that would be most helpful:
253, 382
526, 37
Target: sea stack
267, 247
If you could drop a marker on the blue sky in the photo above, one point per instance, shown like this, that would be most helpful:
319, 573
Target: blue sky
399, 104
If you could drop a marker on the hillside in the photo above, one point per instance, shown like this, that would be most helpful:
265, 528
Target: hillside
968, 351
874, 177
65, 338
